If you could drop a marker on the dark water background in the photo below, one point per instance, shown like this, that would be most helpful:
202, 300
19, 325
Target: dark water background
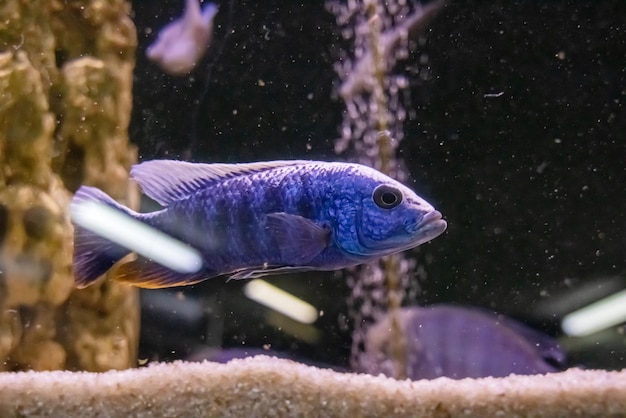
532, 181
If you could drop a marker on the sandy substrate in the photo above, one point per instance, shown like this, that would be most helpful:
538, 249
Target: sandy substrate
270, 387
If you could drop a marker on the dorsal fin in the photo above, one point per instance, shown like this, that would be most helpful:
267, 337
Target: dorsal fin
167, 181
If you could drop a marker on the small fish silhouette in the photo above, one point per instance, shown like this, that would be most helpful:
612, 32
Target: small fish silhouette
256, 219
182, 43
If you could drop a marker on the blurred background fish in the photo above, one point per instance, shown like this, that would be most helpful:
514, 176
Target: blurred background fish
181, 44
459, 342
252, 220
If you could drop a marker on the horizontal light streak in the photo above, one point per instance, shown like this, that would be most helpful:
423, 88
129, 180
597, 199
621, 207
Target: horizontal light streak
605, 313
130, 233
277, 299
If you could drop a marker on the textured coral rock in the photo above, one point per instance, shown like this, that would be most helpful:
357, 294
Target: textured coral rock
65, 88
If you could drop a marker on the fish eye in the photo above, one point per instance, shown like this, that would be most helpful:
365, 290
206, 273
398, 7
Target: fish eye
387, 197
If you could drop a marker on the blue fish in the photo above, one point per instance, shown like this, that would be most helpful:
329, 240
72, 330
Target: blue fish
256, 219
460, 342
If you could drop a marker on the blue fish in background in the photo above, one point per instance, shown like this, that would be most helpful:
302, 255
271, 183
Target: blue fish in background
256, 219
460, 342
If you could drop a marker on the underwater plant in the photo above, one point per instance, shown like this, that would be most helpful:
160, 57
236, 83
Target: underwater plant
371, 131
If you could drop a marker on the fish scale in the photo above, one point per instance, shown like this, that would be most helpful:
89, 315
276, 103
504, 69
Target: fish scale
256, 219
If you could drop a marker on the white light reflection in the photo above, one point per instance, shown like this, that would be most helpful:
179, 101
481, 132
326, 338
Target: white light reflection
597, 316
136, 236
277, 299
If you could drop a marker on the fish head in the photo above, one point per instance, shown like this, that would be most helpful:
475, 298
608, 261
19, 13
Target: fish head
388, 217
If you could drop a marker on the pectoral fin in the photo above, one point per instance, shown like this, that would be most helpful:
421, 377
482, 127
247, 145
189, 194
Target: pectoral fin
298, 239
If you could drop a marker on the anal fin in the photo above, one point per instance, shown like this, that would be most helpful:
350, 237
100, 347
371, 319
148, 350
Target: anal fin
148, 274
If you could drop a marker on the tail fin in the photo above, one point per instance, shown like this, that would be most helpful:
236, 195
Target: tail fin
93, 254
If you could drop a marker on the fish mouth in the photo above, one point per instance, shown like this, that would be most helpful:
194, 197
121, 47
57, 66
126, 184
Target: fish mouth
430, 226
432, 220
